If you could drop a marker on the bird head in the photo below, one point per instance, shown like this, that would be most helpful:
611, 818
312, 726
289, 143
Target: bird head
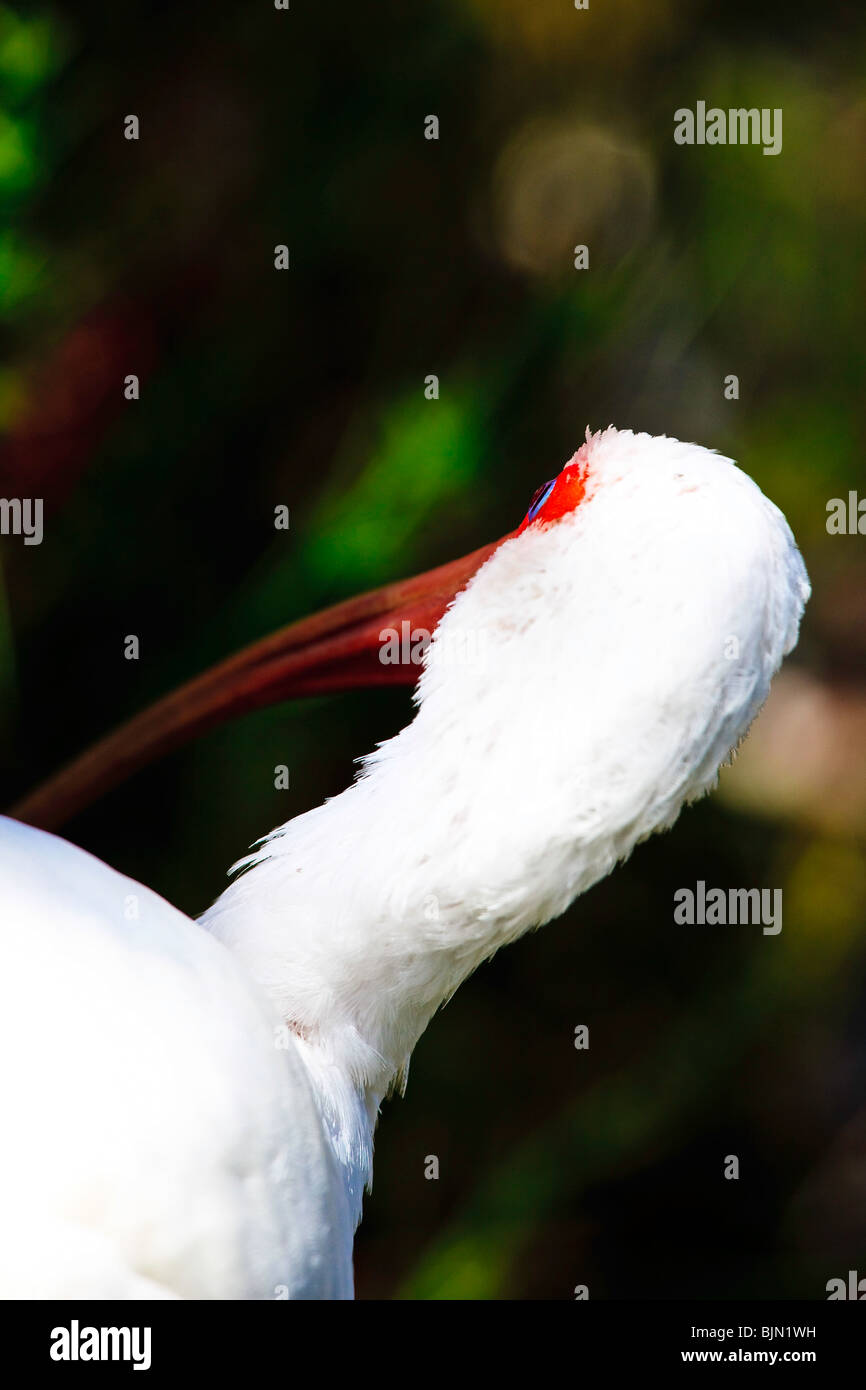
601, 660
586, 680
600, 666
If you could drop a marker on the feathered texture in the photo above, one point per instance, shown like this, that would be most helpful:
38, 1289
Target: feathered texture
158, 1144
587, 683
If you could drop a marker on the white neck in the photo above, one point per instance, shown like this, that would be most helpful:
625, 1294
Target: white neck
358, 940
594, 694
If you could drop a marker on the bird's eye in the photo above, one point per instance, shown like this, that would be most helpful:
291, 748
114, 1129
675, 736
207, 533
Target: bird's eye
539, 499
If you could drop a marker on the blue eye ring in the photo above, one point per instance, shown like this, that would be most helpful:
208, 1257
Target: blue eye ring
539, 499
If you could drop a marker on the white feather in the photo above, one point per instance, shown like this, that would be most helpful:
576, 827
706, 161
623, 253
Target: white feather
602, 699
165, 1144
157, 1142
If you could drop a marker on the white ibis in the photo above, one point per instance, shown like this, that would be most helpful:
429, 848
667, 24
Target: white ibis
189, 1106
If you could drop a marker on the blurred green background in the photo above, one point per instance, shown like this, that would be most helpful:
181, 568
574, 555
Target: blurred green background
455, 257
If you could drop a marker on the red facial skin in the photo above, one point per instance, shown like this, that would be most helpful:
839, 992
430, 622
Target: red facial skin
568, 492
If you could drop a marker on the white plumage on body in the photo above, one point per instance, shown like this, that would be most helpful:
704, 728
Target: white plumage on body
158, 1144
194, 1104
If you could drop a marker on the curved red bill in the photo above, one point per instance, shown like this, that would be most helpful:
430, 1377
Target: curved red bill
338, 649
